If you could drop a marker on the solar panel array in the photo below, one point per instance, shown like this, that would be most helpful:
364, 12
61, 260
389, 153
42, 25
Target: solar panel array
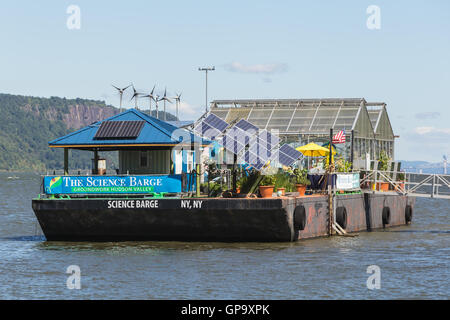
262, 145
119, 130
288, 155
260, 149
238, 136
211, 127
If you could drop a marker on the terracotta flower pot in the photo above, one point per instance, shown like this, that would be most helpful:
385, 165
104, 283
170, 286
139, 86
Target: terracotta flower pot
266, 191
400, 187
301, 189
283, 191
238, 190
383, 186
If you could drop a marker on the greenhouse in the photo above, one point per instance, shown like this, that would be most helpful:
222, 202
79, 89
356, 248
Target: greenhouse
367, 127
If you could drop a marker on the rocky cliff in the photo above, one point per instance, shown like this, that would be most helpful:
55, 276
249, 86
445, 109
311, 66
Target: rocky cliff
28, 123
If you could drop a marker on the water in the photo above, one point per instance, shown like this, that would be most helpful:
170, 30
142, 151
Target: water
414, 261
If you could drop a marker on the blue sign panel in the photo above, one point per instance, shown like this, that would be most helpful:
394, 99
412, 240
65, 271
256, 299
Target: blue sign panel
112, 184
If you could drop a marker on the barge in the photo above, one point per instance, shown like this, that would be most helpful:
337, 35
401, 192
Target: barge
155, 192
288, 218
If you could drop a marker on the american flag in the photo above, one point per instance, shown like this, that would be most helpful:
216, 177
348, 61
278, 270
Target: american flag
339, 137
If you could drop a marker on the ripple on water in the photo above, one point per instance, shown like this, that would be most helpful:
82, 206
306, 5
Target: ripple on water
413, 260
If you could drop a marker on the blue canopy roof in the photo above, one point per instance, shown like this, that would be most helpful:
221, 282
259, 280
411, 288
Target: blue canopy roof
155, 132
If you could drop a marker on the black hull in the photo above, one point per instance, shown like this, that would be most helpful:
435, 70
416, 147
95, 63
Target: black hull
224, 220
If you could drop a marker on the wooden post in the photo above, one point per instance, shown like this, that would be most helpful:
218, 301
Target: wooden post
330, 186
95, 161
66, 161
330, 209
197, 180
330, 156
235, 173
351, 148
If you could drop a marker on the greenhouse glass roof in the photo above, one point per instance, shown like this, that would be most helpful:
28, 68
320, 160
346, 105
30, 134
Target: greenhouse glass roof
293, 116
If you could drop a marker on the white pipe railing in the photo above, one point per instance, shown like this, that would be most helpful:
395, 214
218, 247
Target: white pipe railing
414, 184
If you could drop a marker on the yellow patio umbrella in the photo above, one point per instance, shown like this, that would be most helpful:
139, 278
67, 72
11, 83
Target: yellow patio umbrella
314, 150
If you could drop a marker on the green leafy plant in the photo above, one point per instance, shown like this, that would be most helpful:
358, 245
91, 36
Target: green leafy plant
215, 189
383, 161
300, 177
401, 176
268, 180
342, 165
282, 180
248, 181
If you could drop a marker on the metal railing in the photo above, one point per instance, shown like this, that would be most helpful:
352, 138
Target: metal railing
413, 184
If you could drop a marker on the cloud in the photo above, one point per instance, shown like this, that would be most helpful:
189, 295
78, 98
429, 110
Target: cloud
186, 109
269, 68
427, 115
431, 130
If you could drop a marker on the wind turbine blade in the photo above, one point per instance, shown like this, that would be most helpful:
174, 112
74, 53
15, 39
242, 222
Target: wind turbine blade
116, 87
153, 89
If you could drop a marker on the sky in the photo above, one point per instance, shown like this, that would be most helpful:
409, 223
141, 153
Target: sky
260, 49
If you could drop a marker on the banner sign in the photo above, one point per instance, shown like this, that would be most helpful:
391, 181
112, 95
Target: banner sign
347, 181
112, 184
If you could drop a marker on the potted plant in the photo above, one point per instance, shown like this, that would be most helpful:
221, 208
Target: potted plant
266, 186
401, 181
343, 166
301, 181
282, 182
383, 166
239, 185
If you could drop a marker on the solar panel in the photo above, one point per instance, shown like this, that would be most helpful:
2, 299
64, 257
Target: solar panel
238, 136
266, 139
246, 126
257, 160
211, 126
259, 150
287, 155
234, 141
119, 130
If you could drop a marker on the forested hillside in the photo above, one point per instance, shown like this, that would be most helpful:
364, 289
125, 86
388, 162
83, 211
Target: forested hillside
27, 124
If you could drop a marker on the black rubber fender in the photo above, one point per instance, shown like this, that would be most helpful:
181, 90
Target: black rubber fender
408, 213
386, 215
341, 217
299, 217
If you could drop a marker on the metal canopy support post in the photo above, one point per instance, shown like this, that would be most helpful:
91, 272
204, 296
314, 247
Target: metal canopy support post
66, 161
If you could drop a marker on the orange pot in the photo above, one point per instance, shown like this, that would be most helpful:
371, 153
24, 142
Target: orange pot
400, 187
238, 190
266, 191
283, 191
383, 186
301, 189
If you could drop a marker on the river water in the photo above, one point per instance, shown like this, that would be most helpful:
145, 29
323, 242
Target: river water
413, 261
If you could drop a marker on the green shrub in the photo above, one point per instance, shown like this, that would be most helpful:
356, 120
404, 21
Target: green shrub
268, 180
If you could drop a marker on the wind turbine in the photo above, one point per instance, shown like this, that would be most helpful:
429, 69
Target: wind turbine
164, 98
177, 103
121, 90
135, 96
151, 97
157, 99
